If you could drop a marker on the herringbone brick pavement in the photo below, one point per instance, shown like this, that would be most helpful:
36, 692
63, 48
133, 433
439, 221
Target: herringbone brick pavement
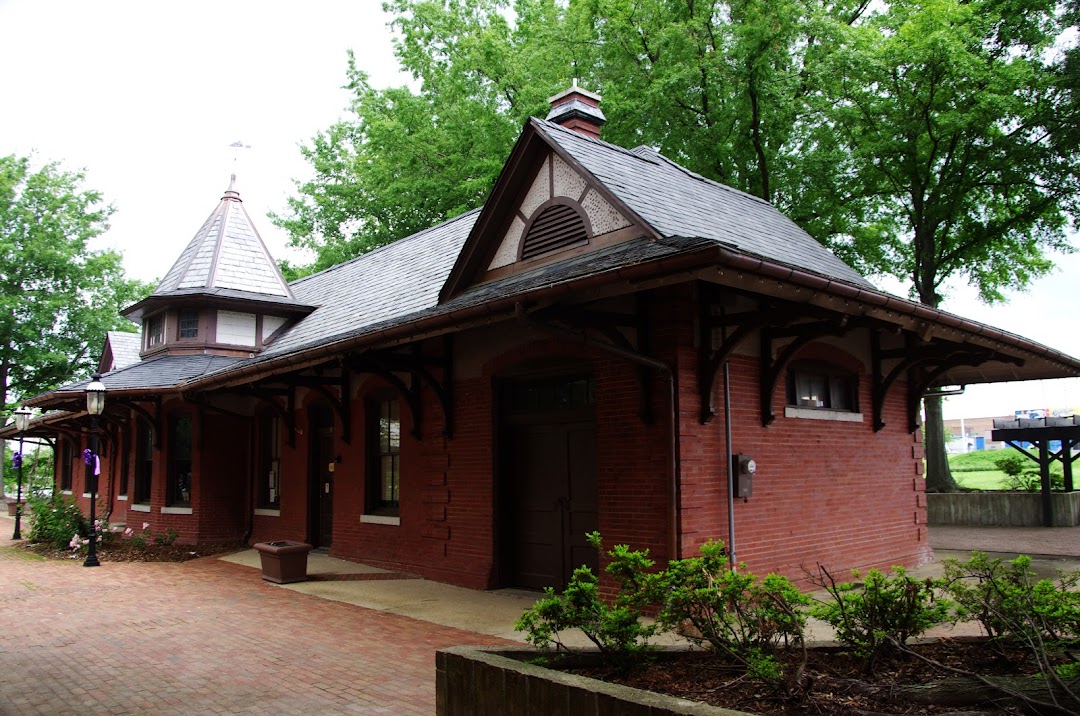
203, 637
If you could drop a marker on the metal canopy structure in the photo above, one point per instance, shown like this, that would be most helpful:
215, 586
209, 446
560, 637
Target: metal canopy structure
1040, 432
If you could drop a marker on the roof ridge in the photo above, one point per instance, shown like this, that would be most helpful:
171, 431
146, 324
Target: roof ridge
546, 124
384, 247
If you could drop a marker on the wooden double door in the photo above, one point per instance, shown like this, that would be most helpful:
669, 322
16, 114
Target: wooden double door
548, 480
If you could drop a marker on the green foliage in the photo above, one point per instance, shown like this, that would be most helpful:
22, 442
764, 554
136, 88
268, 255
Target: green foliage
1011, 465
615, 628
740, 616
1008, 600
878, 614
58, 297
166, 539
56, 520
1012, 604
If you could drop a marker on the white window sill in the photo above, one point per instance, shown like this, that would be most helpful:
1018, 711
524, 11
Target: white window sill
822, 414
65, 492
87, 494
380, 520
121, 497
136, 507
267, 513
176, 510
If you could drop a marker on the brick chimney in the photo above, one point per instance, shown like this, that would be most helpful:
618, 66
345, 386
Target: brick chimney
577, 109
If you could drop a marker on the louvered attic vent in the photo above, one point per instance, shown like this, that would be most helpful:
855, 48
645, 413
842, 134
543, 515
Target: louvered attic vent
557, 227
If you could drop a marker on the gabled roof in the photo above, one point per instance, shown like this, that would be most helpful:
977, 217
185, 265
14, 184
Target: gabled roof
121, 350
668, 199
226, 257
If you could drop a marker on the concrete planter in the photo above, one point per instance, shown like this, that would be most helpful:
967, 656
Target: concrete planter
493, 681
12, 505
1000, 509
284, 561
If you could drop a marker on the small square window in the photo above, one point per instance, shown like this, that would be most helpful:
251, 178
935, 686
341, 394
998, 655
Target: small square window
818, 385
189, 324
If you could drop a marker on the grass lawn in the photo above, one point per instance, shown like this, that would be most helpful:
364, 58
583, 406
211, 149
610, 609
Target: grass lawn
976, 469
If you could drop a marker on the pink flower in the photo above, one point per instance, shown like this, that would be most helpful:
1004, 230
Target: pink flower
146, 525
128, 532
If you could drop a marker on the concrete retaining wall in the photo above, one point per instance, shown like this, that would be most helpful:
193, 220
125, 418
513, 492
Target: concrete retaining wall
1000, 509
493, 681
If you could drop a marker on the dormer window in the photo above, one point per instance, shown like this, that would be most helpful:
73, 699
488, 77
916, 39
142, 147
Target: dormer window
189, 324
155, 331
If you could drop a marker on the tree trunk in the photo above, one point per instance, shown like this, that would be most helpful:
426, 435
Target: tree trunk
966, 691
938, 476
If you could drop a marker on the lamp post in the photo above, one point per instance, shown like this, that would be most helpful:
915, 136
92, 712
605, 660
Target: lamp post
22, 420
95, 403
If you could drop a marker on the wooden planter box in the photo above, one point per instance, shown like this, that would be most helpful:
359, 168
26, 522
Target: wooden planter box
494, 681
284, 561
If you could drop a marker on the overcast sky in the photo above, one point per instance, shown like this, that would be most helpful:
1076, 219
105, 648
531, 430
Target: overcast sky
147, 97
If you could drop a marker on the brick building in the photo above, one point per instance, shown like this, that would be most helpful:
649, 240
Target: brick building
468, 402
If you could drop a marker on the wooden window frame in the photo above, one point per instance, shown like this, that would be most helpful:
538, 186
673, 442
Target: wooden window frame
376, 502
268, 495
144, 464
840, 387
175, 493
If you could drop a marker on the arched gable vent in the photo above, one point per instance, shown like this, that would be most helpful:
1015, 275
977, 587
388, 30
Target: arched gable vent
558, 226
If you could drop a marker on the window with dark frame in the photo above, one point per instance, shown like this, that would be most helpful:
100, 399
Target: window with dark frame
144, 463
155, 331
822, 386
384, 449
67, 456
178, 487
270, 462
189, 324
125, 463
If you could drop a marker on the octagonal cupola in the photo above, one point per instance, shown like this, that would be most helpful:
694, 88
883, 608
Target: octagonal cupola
224, 295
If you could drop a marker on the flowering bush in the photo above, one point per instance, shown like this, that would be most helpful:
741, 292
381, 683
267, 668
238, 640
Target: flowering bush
55, 520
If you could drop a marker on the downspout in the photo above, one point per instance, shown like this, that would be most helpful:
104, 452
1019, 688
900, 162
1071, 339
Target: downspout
674, 513
730, 468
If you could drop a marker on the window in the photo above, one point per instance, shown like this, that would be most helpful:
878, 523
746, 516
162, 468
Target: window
822, 386
144, 463
270, 462
155, 331
384, 448
189, 324
178, 487
67, 456
125, 463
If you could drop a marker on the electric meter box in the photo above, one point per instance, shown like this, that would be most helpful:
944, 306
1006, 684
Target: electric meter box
743, 468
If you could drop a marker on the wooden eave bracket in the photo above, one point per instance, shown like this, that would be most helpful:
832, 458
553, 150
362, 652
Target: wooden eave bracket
387, 365
610, 325
321, 384
923, 364
710, 361
772, 369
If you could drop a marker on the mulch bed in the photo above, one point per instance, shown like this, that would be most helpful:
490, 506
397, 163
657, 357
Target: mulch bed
836, 682
121, 550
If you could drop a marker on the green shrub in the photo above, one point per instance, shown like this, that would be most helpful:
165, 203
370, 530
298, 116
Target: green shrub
734, 612
616, 628
1009, 601
876, 615
56, 520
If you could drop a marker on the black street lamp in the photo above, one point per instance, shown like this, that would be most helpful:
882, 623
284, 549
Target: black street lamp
22, 420
95, 403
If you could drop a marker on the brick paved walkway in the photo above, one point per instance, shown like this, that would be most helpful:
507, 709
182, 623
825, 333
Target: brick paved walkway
202, 637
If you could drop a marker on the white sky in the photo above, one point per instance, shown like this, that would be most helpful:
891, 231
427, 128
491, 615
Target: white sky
148, 96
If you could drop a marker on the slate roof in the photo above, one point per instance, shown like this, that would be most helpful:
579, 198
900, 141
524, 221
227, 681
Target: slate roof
677, 202
125, 347
162, 372
396, 280
226, 253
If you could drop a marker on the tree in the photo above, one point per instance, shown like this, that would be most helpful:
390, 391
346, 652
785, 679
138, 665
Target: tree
926, 140
57, 296
946, 112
